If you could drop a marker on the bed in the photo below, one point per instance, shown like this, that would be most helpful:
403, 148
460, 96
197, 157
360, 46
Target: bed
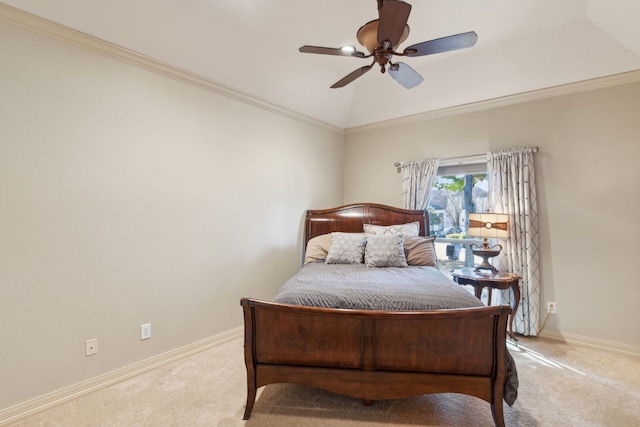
354, 346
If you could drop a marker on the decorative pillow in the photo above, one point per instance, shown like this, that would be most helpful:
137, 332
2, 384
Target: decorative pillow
317, 248
410, 229
421, 251
385, 251
346, 248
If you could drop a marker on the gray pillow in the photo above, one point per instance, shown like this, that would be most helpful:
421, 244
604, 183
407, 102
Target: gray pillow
385, 251
420, 251
346, 248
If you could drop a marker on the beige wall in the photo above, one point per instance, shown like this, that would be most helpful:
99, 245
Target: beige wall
587, 176
127, 197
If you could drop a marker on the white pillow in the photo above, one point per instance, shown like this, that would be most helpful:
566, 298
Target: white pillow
385, 251
346, 248
411, 229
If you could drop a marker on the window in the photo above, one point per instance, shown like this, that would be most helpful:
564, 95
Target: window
461, 187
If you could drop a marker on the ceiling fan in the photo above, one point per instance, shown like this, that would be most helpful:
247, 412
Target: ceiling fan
382, 36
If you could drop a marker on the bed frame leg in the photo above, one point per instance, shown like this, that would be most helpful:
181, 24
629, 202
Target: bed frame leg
498, 414
367, 402
251, 399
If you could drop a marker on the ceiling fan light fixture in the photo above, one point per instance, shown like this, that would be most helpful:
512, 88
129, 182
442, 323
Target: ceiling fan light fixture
367, 35
348, 48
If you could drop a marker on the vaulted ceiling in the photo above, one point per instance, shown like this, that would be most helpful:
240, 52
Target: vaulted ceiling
252, 46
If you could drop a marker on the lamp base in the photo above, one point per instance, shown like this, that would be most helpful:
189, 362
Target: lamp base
485, 252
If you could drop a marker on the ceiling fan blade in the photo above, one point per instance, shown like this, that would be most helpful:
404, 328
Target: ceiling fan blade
444, 44
351, 77
393, 19
331, 51
405, 75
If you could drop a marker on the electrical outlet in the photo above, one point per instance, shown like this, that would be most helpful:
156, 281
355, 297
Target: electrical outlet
551, 307
145, 331
91, 347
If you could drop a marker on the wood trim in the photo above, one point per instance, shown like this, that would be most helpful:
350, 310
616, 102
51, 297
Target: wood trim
26, 409
84, 41
610, 346
518, 98
67, 35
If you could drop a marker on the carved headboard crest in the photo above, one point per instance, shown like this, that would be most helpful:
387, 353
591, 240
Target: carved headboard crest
351, 219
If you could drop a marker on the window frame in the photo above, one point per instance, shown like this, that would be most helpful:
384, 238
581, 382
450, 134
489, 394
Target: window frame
462, 166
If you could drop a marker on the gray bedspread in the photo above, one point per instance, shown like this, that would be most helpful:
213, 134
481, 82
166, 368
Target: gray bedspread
358, 287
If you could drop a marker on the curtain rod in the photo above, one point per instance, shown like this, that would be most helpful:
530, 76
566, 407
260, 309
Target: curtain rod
397, 164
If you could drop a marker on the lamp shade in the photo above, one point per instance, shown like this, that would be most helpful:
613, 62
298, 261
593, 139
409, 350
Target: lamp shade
489, 225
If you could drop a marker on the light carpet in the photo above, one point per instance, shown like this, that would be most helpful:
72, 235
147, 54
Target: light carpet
560, 385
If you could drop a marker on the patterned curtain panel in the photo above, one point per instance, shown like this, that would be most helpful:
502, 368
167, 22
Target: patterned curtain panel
513, 190
417, 180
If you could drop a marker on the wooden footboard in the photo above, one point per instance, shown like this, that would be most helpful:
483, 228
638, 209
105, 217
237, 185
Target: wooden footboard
377, 355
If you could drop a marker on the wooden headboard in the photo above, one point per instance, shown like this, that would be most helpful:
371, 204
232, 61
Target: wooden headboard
351, 219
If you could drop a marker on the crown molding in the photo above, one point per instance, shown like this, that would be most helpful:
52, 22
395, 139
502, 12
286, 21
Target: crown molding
84, 41
534, 95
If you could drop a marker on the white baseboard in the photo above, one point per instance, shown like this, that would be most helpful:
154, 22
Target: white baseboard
39, 404
611, 346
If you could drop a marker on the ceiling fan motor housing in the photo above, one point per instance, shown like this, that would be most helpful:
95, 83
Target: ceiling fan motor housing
367, 35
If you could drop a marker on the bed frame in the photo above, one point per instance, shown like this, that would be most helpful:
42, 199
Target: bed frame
375, 355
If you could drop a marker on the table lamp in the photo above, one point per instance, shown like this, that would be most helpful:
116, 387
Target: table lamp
487, 225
